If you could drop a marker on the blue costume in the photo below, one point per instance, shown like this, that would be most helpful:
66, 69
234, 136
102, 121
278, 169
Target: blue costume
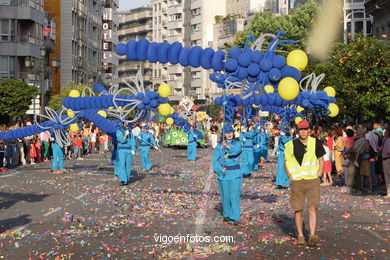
146, 140
264, 145
256, 151
230, 183
247, 151
58, 157
115, 157
281, 175
124, 153
191, 147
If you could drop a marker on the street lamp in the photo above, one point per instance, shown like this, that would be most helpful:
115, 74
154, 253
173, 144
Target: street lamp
43, 51
55, 62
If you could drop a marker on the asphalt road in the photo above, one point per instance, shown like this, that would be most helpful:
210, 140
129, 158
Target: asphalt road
85, 214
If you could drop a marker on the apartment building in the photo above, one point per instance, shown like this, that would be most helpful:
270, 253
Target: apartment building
133, 25
21, 36
380, 11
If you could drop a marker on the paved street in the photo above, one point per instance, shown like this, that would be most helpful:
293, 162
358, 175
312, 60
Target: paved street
85, 214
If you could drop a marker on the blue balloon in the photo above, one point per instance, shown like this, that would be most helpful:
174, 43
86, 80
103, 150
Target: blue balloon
99, 87
194, 56
217, 61
234, 52
278, 61
274, 75
231, 64
140, 96
174, 52
257, 56
242, 73
152, 52
183, 58
206, 58
244, 59
146, 100
162, 53
142, 49
253, 69
252, 79
121, 49
265, 64
132, 50
288, 71
153, 103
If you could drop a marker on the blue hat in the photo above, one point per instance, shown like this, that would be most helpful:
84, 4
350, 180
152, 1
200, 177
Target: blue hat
228, 129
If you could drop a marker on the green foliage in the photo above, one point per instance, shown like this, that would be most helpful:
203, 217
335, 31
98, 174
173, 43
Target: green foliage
297, 25
55, 100
360, 73
213, 110
16, 97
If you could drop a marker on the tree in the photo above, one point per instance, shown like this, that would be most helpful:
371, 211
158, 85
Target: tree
55, 100
360, 73
297, 24
15, 98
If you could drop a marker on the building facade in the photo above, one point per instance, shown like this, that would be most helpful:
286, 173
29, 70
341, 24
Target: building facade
380, 11
21, 36
356, 20
134, 25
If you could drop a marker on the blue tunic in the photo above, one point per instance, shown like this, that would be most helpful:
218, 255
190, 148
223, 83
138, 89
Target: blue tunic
191, 147
264, 145
58, 157
230, 183
146, 140
247, 151
281, 175
124, 149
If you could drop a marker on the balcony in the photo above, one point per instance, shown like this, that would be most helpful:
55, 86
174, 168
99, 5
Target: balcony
176, 9
23, 10
353, 4
175, 24
175, 38
136, 29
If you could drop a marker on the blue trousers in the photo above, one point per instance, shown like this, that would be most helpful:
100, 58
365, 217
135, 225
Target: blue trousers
191, 151
264, 153
115, 161
11, 155
144, 153
58, 157
256, 159
230, 191
124, 164
247, 161
281, 175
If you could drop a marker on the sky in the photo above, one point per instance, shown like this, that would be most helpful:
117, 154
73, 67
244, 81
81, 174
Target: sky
130, 4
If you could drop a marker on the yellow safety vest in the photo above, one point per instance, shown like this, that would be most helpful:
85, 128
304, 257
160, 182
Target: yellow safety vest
310, 165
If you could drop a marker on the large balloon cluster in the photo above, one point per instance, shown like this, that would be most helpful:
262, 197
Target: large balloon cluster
267, 81
106, 110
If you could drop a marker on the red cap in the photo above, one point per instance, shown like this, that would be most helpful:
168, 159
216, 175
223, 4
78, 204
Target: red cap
303, 124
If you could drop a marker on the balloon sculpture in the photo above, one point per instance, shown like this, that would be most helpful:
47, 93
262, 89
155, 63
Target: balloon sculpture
266, 81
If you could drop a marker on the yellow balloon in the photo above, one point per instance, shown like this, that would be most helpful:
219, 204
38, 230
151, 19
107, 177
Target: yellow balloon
334, 110
300, 109
298, 119
74, 93
288, 88
170, 121
111, 108
330, 91
70, 113
269, 89
74, 127
297, 59
172, 111
102, 113
164, 90
164, 109
119, 108
255, 106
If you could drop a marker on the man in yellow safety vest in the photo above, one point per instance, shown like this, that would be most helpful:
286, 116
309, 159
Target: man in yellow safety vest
304, 166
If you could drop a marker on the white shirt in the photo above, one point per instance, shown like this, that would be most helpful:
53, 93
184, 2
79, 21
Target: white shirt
136, 131
373, 140
327, 153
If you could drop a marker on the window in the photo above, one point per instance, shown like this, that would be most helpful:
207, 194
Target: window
7, 67
195, 11
175, 17
5, 2
195, 27
7, 30
196, 75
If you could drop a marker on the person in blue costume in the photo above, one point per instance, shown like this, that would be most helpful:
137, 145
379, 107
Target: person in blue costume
264, 136
282, 180
191, 147
125, 150
114, 157
226, 164
246, 138
57, 165
256, 151
146, 140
